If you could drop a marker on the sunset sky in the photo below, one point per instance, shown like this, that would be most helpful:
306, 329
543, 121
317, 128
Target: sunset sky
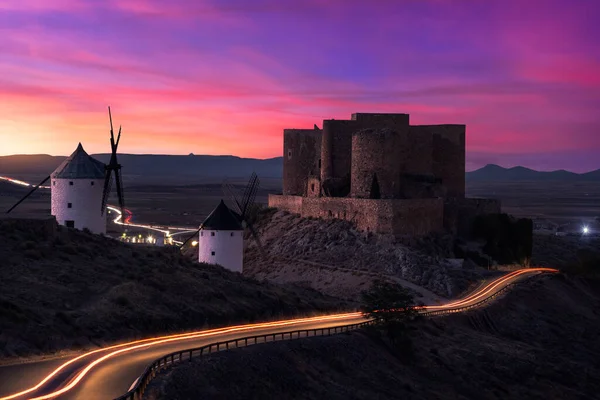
226, 76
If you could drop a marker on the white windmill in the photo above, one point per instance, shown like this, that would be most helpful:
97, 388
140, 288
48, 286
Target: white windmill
221, 235
80, 187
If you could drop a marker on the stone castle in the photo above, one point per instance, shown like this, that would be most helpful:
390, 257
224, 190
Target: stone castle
381, 173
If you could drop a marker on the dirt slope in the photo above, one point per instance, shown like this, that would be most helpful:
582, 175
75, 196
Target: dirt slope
78, 289
293, 243
539, 342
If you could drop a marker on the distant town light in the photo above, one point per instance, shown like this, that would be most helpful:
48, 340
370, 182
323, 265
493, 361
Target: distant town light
585, 230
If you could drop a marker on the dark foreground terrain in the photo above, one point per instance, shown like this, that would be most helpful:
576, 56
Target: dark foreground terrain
74, 290
539, 342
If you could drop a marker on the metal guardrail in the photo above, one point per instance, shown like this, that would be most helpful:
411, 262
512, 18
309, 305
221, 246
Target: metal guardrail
137, 391
479, 303
150, 372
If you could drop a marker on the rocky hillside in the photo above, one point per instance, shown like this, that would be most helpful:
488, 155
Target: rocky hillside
296, 248
75, 290
538, 342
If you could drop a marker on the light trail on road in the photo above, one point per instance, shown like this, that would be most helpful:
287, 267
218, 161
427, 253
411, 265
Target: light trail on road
118, 220
105, 354
20, 183
157, 340
99, 356
480, 294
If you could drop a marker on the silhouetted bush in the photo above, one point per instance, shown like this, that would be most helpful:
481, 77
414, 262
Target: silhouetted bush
508, 240
391, 306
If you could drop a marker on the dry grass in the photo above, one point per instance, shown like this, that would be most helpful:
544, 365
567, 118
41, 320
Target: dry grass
79, 289
540, 342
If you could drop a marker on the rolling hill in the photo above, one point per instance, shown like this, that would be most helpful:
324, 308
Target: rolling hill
177, 169
492, 172
166, 169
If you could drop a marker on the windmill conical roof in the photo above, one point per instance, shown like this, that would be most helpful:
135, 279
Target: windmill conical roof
222, 219
79, 165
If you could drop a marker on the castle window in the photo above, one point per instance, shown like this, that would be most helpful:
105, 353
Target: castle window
201, 233
319, 163
289, 154
231, 233
212, 234
69, 205
212, 253
312, 187
92, 183
53, 183
70, 183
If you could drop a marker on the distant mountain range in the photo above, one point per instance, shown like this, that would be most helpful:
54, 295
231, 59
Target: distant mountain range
167, 169
176, 169
496, 173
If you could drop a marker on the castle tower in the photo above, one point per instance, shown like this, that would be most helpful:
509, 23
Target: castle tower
221, 239
76, 192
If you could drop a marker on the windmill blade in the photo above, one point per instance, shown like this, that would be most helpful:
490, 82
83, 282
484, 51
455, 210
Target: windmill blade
252, 197
247, 191
119, 183
229, 190
188, 239
106, 192
118, 138
250, 188
254, 234
111, 125
28, 194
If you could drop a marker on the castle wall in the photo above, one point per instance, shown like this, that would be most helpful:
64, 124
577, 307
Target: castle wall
377, 160
301, 154
459, 214
403, 217
449, 157
418, 216
292, 204
419, 157
336, 150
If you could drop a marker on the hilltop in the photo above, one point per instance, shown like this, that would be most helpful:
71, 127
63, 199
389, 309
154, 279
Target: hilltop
538, 342
333, 257
75, 290
496, 173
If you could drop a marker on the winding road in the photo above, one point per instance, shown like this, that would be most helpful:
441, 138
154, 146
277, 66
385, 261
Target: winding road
109, 372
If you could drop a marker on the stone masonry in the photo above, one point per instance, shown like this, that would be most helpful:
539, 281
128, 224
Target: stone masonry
381, 173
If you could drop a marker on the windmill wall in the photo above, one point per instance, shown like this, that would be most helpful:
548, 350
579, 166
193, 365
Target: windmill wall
224, 248
85, 197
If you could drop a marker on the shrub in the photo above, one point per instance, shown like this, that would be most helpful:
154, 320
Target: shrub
508, 240
391, 306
